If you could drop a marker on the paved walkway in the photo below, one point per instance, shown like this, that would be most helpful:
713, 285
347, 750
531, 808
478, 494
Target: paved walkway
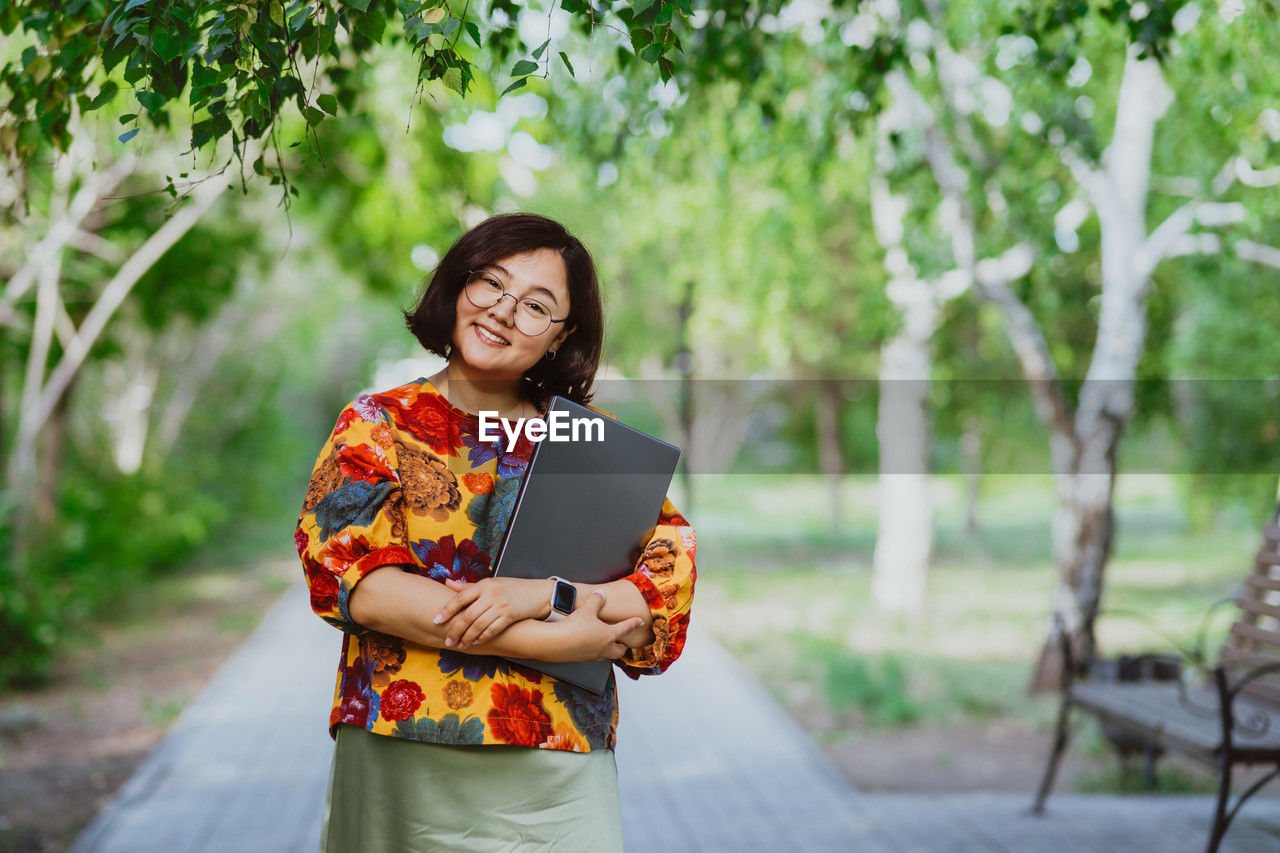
707, 762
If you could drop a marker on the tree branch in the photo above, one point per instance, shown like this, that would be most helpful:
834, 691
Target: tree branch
1258, 253
63, 230
113, 295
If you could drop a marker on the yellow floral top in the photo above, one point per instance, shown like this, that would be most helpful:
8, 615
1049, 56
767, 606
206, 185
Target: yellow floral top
404, 479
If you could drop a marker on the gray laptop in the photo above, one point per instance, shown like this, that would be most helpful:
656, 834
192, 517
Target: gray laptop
585, 507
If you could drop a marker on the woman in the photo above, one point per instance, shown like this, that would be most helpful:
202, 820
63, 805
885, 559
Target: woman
441, 743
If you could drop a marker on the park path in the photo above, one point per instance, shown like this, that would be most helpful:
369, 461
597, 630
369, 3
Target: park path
245, 766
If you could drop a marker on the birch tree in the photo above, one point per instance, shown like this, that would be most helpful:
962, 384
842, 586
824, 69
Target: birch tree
904, 534
1085, 437
59, 341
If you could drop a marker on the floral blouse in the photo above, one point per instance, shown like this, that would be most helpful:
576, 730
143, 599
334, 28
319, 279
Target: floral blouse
404, 479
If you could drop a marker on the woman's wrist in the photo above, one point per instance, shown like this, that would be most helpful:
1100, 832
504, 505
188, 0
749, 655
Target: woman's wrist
528, 638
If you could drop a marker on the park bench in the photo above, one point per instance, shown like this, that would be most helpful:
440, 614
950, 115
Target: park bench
1231, 719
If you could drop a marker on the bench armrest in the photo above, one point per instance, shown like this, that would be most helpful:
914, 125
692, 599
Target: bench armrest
1195, 656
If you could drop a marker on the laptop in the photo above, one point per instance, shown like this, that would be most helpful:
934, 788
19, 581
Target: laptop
590, 498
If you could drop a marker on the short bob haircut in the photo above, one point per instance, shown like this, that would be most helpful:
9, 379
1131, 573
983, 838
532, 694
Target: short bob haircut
572, 372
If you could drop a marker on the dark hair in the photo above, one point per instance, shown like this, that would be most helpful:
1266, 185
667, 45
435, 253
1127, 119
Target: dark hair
572, 372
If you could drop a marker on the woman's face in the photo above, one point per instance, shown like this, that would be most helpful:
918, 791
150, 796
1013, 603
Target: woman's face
539, 274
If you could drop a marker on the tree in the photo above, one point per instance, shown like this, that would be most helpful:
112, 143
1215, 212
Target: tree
1085, 436
244, 64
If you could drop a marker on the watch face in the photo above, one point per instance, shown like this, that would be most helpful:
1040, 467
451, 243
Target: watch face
564, 597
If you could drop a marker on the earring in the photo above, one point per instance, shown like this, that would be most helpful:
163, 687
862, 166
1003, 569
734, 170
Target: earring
551, 354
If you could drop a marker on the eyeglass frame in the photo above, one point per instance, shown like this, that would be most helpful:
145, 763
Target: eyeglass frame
505, 294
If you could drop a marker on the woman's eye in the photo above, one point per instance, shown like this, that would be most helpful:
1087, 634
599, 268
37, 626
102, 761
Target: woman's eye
535, 308
493, 285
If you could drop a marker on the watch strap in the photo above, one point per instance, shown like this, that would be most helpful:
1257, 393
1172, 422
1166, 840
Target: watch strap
553, 614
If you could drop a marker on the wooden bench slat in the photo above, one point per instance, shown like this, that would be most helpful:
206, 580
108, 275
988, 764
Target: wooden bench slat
1253, 633
1267, 565
1262, 582
1258, 607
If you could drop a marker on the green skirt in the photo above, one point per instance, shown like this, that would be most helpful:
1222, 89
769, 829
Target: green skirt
391, 794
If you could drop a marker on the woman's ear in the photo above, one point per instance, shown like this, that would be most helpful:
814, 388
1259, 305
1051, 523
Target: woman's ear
563, 334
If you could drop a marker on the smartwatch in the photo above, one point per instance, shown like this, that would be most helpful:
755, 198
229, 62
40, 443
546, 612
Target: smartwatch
563, 597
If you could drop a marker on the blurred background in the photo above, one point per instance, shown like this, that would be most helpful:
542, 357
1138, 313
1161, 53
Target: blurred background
963, 316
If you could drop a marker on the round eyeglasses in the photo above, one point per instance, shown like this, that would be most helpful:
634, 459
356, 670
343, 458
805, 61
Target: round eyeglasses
483, 290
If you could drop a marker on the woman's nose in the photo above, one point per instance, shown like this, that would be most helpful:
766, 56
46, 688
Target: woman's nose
499, 312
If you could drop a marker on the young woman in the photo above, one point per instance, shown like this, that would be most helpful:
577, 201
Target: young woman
441, 743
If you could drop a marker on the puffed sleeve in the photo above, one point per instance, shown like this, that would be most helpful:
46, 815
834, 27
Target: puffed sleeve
352, 519
665, 575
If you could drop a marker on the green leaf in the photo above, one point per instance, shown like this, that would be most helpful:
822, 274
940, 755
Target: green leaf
453, 79
150, 101
314, 116
328, 103
361, 5
651, 53
640, 6
105, 95
514, 86
125, 137
565, 60
523, 67
201, 132
128, 117
166, 46
537, 54
371, 25
474, 32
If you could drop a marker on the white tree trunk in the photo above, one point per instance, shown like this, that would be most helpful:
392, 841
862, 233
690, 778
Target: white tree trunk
904, 535
1084, 527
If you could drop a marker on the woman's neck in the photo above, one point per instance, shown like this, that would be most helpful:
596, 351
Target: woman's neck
474, 395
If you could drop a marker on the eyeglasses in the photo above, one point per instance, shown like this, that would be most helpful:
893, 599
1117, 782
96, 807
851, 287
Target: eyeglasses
484, 291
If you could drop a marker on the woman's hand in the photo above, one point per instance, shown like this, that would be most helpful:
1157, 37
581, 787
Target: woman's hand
590, 638
482, 610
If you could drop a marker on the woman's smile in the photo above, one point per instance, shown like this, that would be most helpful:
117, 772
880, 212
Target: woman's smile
491, 338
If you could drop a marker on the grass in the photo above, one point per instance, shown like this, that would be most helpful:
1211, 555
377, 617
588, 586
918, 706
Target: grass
791, 597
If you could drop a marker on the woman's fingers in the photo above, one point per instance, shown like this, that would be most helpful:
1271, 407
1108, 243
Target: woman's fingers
593, 603
466, 594
496, 627
478, 627
459, 624
627, 626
